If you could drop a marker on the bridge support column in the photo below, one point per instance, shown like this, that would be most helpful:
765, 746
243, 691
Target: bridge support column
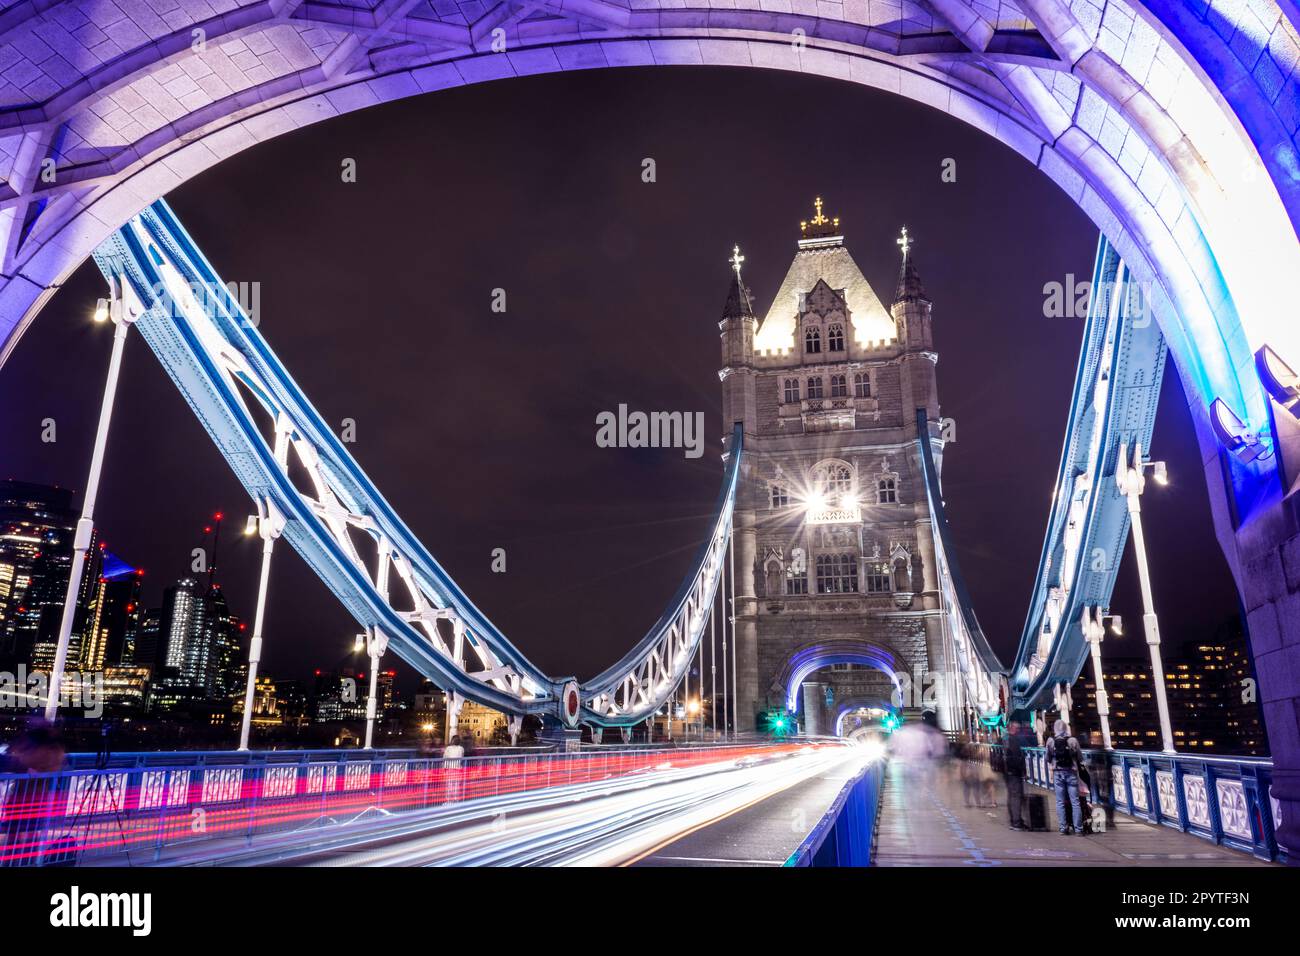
454, 703
814, 709
745, 626
1269, 553
940, 679
597, 735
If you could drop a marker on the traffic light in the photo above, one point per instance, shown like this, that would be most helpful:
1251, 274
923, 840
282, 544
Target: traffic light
890, 722
779, 723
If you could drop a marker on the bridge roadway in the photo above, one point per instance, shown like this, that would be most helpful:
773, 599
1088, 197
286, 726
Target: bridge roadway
751, 811
730, 812
924, 821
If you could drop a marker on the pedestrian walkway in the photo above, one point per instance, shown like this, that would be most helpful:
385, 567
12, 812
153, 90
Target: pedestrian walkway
924, 822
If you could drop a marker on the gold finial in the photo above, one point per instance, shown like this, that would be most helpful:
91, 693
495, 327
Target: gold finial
904, 242
736, 259
821, 225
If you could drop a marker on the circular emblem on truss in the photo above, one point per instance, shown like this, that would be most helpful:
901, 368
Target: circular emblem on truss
570, 703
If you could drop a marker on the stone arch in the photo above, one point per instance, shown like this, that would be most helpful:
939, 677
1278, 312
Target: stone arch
813, 656
853, 704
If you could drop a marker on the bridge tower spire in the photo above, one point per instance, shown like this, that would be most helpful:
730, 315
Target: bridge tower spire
738, 327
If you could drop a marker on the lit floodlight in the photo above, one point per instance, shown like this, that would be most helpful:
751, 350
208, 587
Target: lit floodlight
1160, 471
1235, 435
1278, 378
101, 310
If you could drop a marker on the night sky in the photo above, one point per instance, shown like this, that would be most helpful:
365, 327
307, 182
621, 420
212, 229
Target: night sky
479, 427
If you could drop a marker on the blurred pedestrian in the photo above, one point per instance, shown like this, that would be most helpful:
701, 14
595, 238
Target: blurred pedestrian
1013, 775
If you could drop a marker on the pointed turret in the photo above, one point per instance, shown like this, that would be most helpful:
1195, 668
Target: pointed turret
737, 335
909, 287
739, 301
911, 311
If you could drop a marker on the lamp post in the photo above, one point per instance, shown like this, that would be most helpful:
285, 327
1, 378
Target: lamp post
267, 523
1130, 477
376, 644
1094, 629
123, 315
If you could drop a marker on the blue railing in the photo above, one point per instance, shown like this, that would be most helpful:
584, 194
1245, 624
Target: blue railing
1224, 800
133, 806
844, 835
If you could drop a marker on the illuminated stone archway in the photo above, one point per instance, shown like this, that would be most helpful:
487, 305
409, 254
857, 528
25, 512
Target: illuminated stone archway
846, 709
788, 685
1171, 128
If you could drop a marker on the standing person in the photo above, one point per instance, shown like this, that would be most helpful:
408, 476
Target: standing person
1065, 757
1013, 775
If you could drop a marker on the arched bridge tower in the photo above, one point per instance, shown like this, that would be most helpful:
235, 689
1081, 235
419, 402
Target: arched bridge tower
834, 543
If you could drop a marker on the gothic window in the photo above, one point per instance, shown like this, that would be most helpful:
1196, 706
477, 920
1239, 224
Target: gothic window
887, 491
813, 341
815, 387
839, 386
878, 579
833, 479
862, 385
796, 582
791, 390
837, 573
780, 496
835, 338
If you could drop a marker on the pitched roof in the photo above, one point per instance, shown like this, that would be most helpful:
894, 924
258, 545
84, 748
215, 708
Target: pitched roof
831, 262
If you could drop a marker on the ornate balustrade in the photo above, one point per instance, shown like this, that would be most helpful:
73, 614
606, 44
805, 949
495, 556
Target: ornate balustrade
1222, 799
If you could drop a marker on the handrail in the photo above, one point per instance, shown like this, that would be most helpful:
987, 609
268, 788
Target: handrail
845, 833
1225, 800
73, 815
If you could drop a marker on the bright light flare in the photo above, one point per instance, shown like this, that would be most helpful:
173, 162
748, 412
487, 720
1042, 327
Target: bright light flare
873, 749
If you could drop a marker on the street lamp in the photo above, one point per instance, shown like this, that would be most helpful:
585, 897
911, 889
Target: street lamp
1094, 630
123, 307
1132, 482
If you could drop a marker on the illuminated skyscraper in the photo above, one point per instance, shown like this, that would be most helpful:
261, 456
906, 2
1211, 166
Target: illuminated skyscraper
36, 529
115, 620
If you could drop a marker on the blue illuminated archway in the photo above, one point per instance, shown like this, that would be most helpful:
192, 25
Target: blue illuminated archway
813, 657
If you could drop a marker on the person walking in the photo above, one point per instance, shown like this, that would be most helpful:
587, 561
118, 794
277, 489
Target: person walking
1065, 757
1013, 775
